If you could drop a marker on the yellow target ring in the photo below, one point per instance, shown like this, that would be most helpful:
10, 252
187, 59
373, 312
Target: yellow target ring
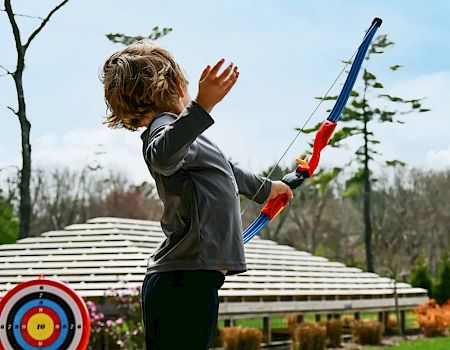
40, 326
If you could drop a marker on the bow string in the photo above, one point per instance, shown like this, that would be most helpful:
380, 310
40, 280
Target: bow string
305, 169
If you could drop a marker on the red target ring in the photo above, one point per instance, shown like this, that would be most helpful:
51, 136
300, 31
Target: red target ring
43, 313
32, 313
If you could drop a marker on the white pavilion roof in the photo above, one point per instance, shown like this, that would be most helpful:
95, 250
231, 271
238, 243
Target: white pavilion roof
112, 252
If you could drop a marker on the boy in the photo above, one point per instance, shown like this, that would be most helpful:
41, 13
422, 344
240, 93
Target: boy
199, 187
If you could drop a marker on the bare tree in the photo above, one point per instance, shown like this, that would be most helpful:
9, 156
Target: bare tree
20, 112
62, 197
411, 218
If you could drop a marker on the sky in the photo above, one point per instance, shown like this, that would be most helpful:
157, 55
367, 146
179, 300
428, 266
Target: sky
288, 52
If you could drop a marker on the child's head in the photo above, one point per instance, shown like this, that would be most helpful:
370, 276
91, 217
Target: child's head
141, 81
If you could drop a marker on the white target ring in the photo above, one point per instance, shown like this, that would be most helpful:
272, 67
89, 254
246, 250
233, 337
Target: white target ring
43, 314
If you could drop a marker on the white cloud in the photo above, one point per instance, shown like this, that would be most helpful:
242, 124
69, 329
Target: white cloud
435, 88
116, 150
424, 136
438, 159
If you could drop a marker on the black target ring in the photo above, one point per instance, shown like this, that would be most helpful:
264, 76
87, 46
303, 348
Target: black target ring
41, 295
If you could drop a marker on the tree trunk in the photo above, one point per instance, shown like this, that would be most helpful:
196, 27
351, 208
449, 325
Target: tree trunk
25, 172
366, 203
317, 219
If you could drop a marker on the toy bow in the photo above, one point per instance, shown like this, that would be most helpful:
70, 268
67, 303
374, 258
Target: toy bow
305, 169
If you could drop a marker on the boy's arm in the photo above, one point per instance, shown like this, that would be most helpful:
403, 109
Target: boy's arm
171, 145
249, 184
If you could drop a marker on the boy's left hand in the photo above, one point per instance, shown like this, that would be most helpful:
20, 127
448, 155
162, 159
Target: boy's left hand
279, 187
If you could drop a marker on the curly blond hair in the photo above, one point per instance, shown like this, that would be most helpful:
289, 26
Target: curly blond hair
140, 80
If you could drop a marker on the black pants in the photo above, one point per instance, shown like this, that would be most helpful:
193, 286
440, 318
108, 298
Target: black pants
180, 309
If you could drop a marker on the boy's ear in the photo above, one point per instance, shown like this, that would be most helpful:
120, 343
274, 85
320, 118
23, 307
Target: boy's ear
180, 89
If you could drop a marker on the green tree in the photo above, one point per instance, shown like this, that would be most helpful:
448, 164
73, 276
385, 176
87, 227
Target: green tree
362, 110
420, 276
129, 39
9, 223
442, 288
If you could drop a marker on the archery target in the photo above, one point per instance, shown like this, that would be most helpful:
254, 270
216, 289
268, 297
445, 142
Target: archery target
43, 314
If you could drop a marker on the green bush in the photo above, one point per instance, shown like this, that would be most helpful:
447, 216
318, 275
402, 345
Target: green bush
442, 287
420, 276
9, 222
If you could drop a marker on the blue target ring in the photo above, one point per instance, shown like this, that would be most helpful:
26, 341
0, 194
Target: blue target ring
40, 302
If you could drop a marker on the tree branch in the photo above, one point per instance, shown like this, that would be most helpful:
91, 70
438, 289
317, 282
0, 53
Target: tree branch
6, 70
44, 22
14, 26
12, 109
22, 15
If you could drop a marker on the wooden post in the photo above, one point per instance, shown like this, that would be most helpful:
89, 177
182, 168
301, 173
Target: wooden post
318, 318
357, 316
300, 318
267, 330
386, 319
403, 321
329, 316
228, 322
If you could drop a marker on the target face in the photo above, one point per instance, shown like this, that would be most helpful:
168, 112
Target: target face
43, 314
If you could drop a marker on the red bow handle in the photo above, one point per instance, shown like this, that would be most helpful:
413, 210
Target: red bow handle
274, 206
322, 138
302, 172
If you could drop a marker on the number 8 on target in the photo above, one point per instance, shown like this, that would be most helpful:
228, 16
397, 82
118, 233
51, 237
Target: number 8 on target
43, 314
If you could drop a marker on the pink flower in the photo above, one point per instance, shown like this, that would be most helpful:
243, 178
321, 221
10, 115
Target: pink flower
119, 320
109, 323
91, 306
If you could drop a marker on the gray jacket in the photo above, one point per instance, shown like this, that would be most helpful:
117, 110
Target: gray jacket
200, 191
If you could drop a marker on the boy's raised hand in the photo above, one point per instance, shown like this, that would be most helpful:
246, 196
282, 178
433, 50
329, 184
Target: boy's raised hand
212, 87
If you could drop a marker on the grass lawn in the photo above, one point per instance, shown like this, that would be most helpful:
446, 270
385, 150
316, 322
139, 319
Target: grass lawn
280, 322
422, 344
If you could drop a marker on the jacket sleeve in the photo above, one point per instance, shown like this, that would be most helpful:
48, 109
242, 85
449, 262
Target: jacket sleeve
249, 184
172, 145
